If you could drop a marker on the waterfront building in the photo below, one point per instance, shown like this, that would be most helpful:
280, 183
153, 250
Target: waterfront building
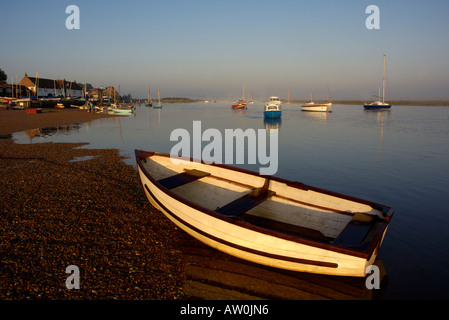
49, 87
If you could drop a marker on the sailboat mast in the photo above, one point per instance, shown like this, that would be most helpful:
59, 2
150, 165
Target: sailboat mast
37, 85
383, 84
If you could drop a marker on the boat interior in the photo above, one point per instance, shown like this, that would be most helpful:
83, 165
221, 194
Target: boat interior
292, 209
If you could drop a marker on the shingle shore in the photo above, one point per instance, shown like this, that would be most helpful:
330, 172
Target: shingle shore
92, 214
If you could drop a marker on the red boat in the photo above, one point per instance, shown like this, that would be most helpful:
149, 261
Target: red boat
241, 104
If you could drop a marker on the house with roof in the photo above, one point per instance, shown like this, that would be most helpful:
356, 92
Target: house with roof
11, 90
48, 87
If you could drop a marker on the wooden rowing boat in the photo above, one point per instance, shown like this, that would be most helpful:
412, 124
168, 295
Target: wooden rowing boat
264, 219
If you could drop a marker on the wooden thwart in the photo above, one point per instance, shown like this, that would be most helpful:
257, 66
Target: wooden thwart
248, 201
286, 228
183, 178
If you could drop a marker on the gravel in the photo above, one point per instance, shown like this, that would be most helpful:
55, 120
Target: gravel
56, 212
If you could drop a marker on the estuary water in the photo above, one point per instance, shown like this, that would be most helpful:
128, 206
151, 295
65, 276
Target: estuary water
398, 158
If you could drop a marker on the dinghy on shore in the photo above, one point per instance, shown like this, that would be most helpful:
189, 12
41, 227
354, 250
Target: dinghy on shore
265, 219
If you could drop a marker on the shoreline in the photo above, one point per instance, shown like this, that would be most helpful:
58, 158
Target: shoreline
12, 121
56, 212
411, 103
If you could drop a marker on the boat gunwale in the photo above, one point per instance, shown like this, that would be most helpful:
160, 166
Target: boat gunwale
365, 253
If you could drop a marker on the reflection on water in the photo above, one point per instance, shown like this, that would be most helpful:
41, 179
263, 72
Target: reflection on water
272, 123
320, 116
380, 122
213, 275
49, 131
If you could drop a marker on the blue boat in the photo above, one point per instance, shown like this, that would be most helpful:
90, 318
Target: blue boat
377, 105
272, 109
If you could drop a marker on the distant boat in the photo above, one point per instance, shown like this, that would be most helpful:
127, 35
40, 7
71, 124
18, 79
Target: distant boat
159, 105
316, 107
272, 109
240, 104
148, 103
251, 101
379, 105
265, 219
98, 109
123, 110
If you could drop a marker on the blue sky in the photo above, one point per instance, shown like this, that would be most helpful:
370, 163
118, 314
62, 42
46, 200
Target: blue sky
193, 48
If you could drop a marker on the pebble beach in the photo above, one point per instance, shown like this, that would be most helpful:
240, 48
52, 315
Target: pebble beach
56, 212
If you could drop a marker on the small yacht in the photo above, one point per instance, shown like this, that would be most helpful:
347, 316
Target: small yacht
379, 105
316, 107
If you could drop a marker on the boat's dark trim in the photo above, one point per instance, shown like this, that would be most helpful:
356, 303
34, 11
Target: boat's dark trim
362, 252
372, 107
233, 245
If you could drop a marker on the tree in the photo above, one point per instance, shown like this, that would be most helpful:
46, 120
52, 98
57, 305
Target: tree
3, 76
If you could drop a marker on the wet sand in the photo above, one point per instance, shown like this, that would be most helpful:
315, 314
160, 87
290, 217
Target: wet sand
19, 120
56, 212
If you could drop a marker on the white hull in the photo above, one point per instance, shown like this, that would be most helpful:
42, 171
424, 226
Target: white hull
316, 107
247, 241
123, 111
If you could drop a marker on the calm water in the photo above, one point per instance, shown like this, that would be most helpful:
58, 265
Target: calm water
398, 157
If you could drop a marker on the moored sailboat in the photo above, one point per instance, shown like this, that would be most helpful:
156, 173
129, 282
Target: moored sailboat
148, 103
316, 107
240, 104
379, 105
159, 105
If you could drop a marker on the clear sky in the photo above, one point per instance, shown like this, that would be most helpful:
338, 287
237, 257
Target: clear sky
194, 48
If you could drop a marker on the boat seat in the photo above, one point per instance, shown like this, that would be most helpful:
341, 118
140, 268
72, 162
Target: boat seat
286, 228
355, 231
248, 201
183, 178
